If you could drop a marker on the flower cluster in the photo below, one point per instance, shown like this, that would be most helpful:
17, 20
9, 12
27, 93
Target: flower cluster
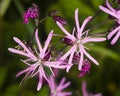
39, 60
32, 12
116, 16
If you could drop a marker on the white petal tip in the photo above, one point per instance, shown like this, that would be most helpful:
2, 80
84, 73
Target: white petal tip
10, 49
14, 38
76, 9
38, 88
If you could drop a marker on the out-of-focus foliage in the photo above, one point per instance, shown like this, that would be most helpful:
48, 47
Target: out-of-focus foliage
104, 78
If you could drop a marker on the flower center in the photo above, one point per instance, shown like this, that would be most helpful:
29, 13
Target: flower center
39, 62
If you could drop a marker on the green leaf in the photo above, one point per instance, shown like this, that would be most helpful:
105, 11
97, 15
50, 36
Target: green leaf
12, 90
4, 5
105, 52
69, 7
3, 73
96, 4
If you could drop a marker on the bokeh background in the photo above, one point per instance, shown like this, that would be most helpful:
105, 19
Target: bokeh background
104, 78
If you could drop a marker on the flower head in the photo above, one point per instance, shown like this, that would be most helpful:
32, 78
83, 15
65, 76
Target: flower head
32, 12
37, 60
85, 68
57, 90
115, 33
84, 91
78, 39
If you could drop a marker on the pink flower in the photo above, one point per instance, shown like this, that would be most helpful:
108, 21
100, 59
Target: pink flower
85, 93
77, 40
85, 68
37, 60
32, 12
57, 90
115, 33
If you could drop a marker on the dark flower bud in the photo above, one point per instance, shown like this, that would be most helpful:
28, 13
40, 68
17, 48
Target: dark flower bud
60, 19
53, 13
67, 41
85, 68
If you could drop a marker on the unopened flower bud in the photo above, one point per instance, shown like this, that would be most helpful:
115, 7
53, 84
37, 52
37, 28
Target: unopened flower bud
53, 13
60, 19
67, 41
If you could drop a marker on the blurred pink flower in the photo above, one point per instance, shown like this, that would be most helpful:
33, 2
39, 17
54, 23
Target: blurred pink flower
57, 90
85, 68
85, 93
115, 33
37, 59
78, 39
32, 12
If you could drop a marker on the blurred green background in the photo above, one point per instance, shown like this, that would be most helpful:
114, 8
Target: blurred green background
104, 78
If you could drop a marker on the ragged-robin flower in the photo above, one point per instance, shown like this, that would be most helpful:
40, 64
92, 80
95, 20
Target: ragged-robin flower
115, 13
57, 89
85, 68
78, 39
85, 92
32, 12
37, 59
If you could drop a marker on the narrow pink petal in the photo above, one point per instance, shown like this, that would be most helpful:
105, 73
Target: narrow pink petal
71, 59
65, 31
108, 12
113, 32
61, 82
18, 52
84, 89
84, 23
38, 41
86, 40
67, 54
55, 65
52, 83
40, 81
64, 94
81, 58
114, 40
71, 55
109, 6
77, 22
28, 73
24, 46
23, 71
64, 86
90, 57
47, 42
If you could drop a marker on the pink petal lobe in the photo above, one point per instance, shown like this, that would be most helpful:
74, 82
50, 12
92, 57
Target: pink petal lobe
115, 38
38, 41
108, 11
90, 57
65, 31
